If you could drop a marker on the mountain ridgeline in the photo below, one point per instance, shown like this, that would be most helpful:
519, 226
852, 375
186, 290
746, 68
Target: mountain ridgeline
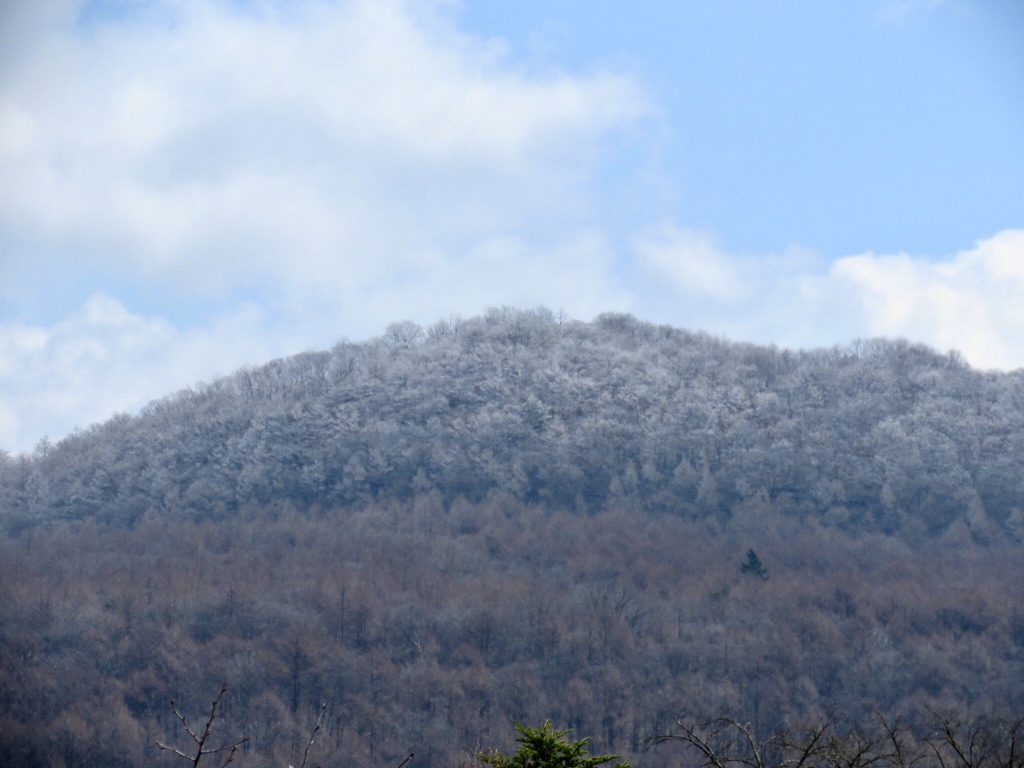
877, 436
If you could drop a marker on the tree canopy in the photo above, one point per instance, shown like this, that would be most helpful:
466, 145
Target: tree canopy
875, 436
546, 747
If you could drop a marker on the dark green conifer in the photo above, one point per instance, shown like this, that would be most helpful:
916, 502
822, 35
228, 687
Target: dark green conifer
753, 566
546, 747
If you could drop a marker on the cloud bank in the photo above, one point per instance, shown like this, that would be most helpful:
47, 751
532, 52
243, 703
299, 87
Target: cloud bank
973, 301
308, 152
970, 301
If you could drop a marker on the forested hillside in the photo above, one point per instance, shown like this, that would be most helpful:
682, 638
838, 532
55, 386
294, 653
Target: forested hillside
516, 517
877, 437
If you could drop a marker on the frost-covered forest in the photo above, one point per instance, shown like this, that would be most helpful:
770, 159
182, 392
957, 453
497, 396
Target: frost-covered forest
878, 437
516, 516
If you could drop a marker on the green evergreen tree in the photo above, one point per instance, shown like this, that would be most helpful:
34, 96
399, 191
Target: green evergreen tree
546, 747
754, 566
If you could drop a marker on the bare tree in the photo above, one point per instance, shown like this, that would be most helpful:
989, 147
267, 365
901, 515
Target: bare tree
319, 722
200, 739
985, 742
724, 743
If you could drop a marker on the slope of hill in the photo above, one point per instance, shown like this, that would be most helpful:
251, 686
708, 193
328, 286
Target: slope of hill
877, 436
516, 516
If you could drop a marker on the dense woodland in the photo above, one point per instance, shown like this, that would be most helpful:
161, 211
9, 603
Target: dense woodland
516, 517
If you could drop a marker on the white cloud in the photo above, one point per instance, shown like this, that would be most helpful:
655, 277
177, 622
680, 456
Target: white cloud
17, 129
312, 146
970, 301
692, 281
694, 262
574, 276
973, 301
103, 359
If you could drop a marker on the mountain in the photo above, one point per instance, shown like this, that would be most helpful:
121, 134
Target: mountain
876, 436
516, 517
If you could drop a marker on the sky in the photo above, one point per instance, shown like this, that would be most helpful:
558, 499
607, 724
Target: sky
192, 186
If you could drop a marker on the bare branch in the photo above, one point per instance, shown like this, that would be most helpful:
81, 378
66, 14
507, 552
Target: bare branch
948, 736
175, 750
756, 750
200, 740
809, 744
895, 734
985, 742
1013, 760
319, 720
717, 741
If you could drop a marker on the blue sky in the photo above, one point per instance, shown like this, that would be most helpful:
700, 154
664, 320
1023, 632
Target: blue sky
844, 127
189, 186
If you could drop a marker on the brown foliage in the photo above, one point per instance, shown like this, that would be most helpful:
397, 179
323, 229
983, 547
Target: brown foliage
432, 629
